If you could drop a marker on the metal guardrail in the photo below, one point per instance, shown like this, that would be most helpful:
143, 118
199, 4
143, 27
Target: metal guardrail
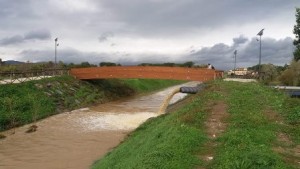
293, 91
23, 76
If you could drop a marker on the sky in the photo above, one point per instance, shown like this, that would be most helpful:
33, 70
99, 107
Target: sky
156, 31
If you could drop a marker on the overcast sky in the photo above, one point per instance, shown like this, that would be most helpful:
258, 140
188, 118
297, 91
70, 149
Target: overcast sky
135, 31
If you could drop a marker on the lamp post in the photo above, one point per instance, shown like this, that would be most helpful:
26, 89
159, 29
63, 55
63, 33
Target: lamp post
55, 47
235, 52
260, 33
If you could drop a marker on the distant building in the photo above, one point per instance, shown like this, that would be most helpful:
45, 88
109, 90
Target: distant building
239, 72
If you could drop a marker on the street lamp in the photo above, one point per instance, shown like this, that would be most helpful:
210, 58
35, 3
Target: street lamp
56, 44
235, 52
260, 33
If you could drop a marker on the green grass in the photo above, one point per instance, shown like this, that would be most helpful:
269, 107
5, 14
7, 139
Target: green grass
169, 141
18, 102
249, 137
23, 103
251, 134
176, 139
290, 110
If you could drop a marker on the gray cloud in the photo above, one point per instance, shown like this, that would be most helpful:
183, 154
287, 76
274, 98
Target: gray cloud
38, 35
18, 14
105, 36
65, 55
76, 56
8, 8
147, 17
240, 40
152, 17
30, 36
278, 52
12, 40
149, 20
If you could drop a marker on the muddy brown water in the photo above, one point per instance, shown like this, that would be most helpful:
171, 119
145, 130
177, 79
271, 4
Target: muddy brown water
74, 140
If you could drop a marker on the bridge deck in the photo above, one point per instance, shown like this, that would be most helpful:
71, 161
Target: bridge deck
145, 72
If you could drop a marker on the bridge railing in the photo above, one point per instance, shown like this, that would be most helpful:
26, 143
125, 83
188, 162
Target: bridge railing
9, 77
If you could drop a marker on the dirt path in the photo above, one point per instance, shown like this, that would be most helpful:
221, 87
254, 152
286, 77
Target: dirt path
215, 125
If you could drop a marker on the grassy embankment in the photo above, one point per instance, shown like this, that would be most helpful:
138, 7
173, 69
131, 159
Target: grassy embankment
30, 101
258, 117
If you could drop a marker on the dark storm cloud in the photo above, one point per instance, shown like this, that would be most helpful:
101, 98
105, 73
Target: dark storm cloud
273, 51
278, 52
30, 36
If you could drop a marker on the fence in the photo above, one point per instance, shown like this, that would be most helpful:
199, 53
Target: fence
23, 76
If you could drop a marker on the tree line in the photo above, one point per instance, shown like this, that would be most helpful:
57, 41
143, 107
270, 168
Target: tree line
61, 65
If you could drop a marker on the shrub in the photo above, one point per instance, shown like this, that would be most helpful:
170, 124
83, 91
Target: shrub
291, 76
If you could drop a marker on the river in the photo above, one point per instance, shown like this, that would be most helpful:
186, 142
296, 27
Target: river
74, 140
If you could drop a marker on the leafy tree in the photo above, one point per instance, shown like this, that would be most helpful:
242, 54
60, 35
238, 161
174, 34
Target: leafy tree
297, 34
107, 64
144, 64
85, 64
71, 65
269, 73
282, 68
169, 64
291, 76
254, 68
61, 64
188, 64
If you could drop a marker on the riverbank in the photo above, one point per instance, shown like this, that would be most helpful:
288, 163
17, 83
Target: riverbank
30, 101
228, 125
77, 138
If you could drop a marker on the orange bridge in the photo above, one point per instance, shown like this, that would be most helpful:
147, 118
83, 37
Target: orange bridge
146, 72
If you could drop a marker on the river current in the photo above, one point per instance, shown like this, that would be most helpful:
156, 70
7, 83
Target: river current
74, 140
